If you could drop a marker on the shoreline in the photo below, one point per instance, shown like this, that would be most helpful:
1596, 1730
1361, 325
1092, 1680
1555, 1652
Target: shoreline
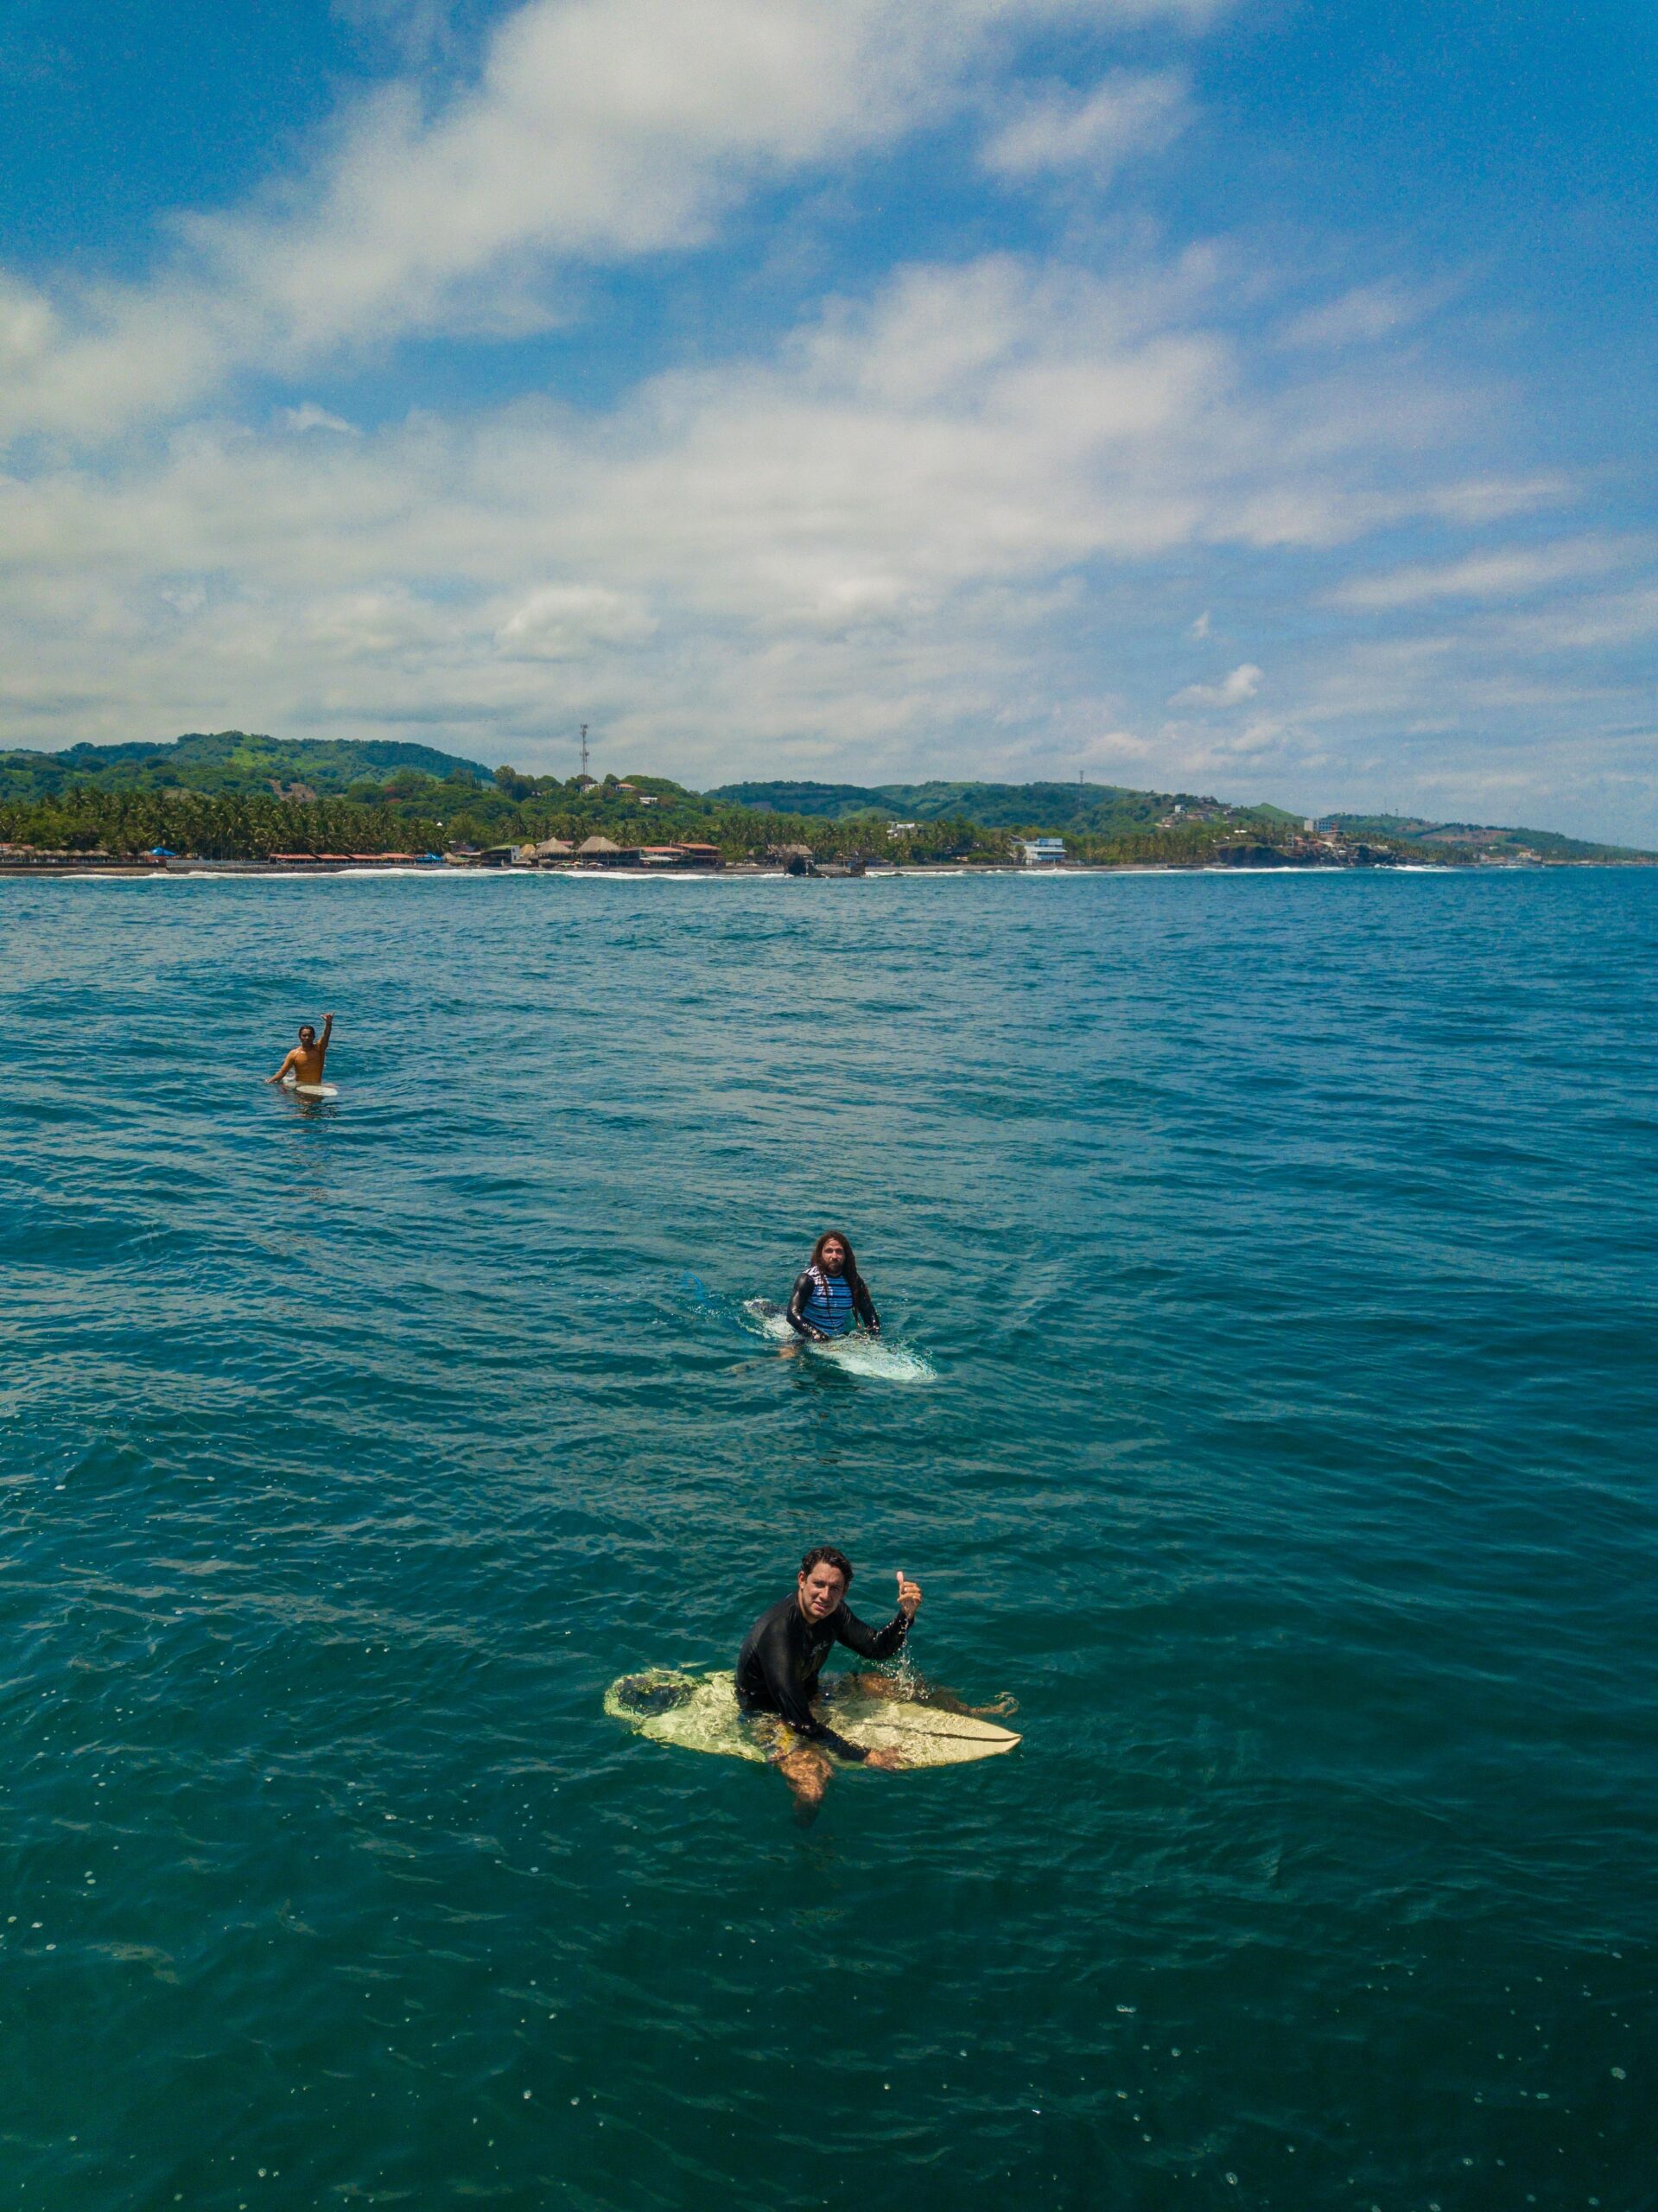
78, 871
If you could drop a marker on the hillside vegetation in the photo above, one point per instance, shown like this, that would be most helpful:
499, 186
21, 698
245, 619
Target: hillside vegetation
1482, 837
233, 795
233, 764
1099, 810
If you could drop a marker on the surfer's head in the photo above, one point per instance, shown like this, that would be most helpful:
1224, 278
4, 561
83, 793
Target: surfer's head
306, 1034
833, 1252
825, 1575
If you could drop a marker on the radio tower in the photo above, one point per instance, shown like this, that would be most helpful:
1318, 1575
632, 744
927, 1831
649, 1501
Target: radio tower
584, 748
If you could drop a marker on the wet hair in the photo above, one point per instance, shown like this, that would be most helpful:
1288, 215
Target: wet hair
826, 1555
307, 1029
850, 1270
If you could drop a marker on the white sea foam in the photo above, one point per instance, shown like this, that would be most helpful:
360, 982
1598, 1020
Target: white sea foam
873, 1356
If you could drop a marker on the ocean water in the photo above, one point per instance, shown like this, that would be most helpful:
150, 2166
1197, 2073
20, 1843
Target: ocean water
1272, 1261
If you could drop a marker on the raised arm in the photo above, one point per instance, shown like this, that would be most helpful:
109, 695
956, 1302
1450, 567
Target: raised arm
322, 1041
881, 1642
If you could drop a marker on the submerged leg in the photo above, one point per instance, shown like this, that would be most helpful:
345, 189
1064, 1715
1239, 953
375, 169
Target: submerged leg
806, 1770
999, 1707
870, 1686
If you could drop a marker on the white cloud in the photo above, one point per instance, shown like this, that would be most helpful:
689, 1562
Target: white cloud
310, 416
1592, 623
1232, 690
1362, 317
1058, 128
569, 621
914, 529
886, 531
1113, 748
597, 131
27, 326
1480, 499
416, 30
1510, 573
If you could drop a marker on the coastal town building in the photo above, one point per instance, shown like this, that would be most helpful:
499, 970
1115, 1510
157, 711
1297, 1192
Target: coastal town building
1041, 852
473, 856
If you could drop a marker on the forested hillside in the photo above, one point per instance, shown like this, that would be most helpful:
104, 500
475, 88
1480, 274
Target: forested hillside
1101, 810
230, 794
230, 763
1482, 837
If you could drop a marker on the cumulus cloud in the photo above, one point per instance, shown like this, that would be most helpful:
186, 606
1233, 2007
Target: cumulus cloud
1232, 690
1058, 128
1113, 748
597, 130
884, 529
914, 528
569, 621
309, 416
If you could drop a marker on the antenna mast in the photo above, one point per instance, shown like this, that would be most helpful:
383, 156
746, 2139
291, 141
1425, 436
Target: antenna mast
584, 748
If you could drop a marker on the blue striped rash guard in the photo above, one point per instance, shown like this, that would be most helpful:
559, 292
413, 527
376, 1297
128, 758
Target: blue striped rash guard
823, 1305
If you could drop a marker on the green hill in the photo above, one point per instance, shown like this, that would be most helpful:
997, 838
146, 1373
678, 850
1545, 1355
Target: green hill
1097, 810
229, 764
1483, 838
383, 795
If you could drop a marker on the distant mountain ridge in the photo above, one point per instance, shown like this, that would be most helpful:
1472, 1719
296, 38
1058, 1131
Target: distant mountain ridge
239, 764
1107, 809
1096, 809
228, 763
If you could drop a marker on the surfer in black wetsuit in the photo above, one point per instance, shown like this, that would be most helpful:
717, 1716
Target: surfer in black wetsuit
784, 1653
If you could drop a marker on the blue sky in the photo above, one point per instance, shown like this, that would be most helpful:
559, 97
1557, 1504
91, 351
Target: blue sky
1253, 398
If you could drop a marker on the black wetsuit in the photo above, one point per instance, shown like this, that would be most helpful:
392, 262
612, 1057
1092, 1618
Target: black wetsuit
800, 1296
784, 1653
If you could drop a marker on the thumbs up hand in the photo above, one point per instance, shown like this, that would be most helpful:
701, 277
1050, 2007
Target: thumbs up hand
909, 1595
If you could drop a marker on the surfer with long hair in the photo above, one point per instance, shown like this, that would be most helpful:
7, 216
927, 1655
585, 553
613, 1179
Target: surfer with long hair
304, 1064
829, 1298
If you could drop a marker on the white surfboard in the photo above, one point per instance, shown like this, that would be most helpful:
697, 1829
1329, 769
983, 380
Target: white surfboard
699, 1713
310, 1089
855, 1354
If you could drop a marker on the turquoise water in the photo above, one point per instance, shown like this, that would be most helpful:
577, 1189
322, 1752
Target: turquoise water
1276, 1257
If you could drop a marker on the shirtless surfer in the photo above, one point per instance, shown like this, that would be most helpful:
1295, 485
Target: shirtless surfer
784, 1653
304, 1064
